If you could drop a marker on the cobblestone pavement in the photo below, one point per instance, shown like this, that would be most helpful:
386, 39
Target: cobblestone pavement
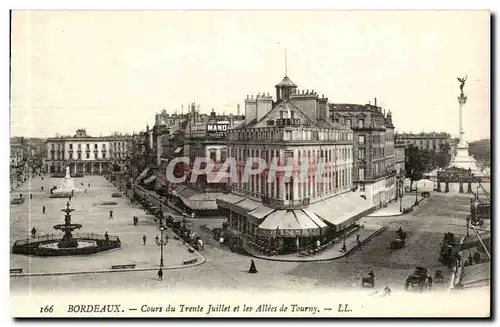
95, 219
225, 270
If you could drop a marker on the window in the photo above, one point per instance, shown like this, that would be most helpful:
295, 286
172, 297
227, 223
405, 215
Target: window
88, 155
361, 123
361, 173
104, 146
361, 153
53, 146
79, 156
71, 156
71, 146
79, 146
361, 139
88, 146
213, 154
104, 155
348, 123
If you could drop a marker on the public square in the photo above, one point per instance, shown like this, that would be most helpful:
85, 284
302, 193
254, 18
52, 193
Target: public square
95, 219
222, 269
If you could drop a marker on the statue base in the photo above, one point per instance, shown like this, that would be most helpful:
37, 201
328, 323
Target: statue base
465, 161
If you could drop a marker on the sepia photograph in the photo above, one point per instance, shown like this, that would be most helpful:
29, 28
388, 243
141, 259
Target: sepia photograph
250, 163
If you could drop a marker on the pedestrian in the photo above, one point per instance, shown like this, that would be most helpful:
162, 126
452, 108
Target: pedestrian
106, 236
144, 239
357, 239
33, 232
160, 274
20, 195
477, 258
221, 241
110, 214
253, 269
470, 259
42, 188
156, 239
43, 209
89, 185
31, 196
81, 183
318, 243
69, 198
42, 178
429, 282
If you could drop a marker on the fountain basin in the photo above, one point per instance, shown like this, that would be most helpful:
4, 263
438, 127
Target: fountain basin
81, 244
47, 245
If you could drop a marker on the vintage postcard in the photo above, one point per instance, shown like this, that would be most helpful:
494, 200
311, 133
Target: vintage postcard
250, 164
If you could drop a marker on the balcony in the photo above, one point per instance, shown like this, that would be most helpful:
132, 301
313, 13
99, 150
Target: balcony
285, 204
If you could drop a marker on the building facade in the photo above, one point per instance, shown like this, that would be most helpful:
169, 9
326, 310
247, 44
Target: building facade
85, 154
310, 198
429, 141
399, 159
374, 171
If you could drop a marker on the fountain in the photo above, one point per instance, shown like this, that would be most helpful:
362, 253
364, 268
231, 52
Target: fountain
66, 189
67, 241
68, 244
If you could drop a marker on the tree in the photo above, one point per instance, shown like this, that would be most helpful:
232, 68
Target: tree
417, 162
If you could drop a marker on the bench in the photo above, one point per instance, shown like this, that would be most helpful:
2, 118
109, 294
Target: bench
123, 266
16, 271
188, 262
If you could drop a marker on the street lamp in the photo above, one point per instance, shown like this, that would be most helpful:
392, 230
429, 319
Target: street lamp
467, 220
416, 193
161, 242
401, 185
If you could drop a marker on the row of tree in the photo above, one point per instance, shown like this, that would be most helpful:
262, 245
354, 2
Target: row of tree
420, 161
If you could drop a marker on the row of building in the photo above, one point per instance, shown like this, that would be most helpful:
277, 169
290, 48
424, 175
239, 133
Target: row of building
362, 156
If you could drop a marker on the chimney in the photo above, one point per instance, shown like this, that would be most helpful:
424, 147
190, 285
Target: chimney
375, 102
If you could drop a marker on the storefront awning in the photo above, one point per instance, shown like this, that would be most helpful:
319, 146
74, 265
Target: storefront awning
149, 179
178, 150
341, 210
255, 216
246, 206
228, 200
289, 223
143, 174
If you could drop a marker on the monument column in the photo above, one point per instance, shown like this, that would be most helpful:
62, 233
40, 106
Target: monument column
462, 159
462, 99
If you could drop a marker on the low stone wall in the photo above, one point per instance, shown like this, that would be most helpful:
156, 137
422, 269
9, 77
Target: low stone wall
32, 246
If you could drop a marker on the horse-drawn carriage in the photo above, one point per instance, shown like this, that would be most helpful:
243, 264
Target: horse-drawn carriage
370, 280
438, 277
400, 240
397, 244
449, 249
418, 278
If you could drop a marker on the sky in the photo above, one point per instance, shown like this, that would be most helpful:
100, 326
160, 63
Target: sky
110, 71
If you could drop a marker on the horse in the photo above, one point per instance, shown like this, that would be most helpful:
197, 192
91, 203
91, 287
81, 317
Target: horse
368, 280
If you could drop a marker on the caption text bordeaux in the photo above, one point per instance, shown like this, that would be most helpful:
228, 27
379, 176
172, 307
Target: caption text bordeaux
211, 308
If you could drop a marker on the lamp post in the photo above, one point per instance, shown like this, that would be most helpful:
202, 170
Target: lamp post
401, 185
467, 221
161, 242
416, 193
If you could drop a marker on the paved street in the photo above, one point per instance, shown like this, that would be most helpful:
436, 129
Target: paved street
95, 219
225, 270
